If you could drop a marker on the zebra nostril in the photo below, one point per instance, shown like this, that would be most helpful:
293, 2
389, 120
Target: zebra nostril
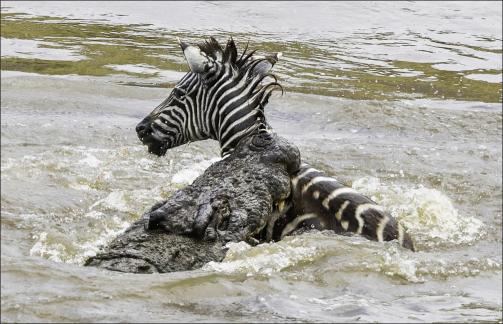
142, 129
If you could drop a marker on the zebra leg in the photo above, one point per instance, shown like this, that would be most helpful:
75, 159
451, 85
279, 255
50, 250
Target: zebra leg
322, 202
280, 212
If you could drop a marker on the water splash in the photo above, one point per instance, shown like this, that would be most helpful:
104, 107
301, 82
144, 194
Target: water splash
264, 259
73, 235
428, 214
77, 246
189, 174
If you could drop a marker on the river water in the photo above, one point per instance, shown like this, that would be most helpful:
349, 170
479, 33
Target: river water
400, 100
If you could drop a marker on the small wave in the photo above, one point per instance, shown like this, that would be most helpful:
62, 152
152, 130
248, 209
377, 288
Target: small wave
395, 262
78, 245
428, 214
49, 247
116, 200
303, 256
264, 259
189, 174
348, 253
90, 160
87, 232
116, 186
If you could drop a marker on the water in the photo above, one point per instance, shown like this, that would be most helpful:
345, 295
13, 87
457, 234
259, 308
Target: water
401, 101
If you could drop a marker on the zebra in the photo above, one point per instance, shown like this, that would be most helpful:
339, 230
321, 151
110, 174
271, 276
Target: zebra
223, 97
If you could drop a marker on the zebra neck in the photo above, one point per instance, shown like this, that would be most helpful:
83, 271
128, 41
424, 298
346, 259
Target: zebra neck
236, 108
257, 127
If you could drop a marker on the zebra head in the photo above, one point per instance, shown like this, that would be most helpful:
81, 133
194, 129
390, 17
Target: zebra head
222, 97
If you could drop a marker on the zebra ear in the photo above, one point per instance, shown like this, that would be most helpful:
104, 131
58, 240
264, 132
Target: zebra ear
266, 64
197, 59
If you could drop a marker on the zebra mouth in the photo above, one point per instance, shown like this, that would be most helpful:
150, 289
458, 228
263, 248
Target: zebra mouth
154, 145
157, 148
149, 135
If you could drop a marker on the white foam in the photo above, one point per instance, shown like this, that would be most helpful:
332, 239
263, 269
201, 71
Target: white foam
114, 200
189, 174
7, 164
394, 263
78, 246
41, 248
88, 249
263, 259
94, 214
427, 214
90, 160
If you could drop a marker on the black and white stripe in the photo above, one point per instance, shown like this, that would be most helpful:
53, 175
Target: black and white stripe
221, 98
322, 202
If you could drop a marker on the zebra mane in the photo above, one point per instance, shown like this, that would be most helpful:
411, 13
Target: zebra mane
228, 54
259, 66
246, 61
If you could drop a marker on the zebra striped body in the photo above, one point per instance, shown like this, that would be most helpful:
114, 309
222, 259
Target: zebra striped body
322, 202
223, 98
